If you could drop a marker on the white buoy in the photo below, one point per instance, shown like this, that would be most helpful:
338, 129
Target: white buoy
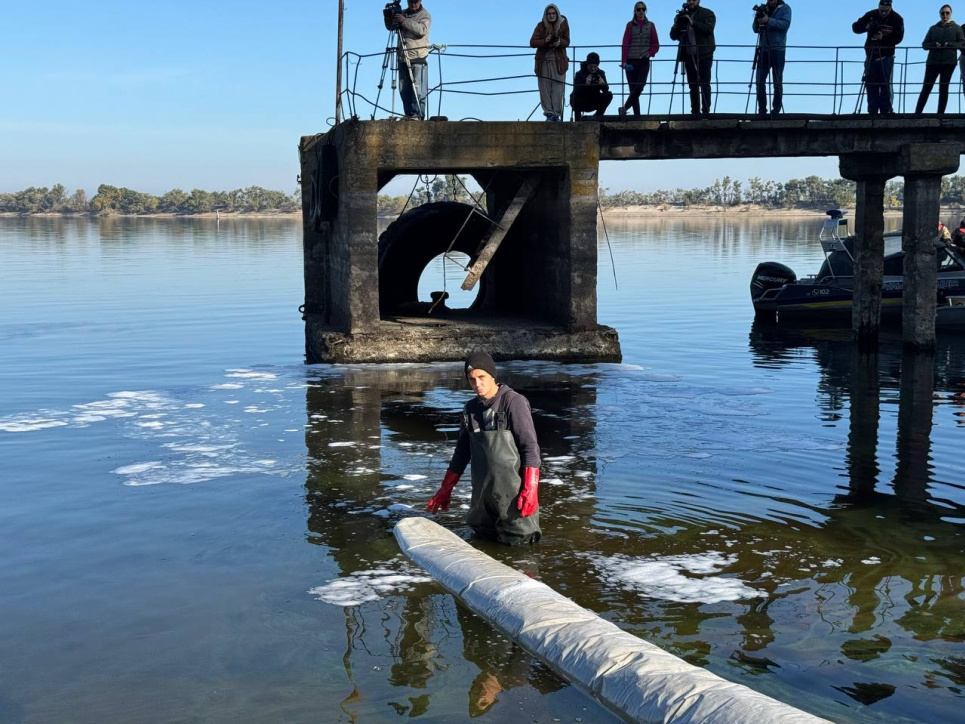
636, 680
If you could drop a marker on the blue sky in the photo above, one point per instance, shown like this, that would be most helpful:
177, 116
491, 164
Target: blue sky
215, 95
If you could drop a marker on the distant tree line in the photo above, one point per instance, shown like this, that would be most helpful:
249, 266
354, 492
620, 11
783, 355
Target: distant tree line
811, 192
119, 200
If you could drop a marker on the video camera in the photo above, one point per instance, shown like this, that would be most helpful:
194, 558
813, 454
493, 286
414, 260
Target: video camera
389, 12
759, 11
683, 15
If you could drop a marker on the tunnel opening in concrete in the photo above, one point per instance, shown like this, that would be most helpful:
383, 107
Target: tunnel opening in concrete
409, 246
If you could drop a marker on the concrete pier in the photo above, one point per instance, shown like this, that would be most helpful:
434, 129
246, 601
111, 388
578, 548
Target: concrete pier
537, 229
922, 166
537, 296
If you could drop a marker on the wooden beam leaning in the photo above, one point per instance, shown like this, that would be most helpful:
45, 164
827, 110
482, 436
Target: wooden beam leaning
499, 230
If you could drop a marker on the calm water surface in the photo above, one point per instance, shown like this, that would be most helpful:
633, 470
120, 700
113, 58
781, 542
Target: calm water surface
197, 527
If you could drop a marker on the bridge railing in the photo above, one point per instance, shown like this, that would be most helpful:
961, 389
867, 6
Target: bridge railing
498, 82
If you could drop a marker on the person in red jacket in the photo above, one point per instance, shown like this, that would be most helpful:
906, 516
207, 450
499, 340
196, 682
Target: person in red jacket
640, 44
497, 436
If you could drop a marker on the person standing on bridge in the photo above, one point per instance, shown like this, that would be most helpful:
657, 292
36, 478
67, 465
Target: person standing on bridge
640, 44
693, 28
551, 38
771, 25
413, 52
942, 42
497, 436
885, 29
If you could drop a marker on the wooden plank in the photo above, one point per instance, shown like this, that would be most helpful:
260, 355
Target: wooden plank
498, 232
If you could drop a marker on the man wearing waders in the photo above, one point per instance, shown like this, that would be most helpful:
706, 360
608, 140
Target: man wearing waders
497, 436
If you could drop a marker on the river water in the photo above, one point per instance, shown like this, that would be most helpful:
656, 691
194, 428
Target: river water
197, 527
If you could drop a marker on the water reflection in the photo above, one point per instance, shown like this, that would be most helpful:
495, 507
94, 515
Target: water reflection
899, 545
388, 447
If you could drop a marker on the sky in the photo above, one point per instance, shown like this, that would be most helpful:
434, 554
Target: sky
216, 95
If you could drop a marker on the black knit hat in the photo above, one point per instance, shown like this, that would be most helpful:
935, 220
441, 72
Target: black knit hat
480, 361
592, 58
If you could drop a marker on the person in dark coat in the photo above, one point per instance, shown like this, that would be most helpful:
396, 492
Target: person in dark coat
497, 436
885, 29
591, 92
943, 41
693, 29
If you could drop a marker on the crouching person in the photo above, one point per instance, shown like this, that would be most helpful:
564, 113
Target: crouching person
591, 92
498, 438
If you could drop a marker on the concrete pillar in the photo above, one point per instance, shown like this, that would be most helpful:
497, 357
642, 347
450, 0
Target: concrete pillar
925, 164
871, 172
869, 261
919, 230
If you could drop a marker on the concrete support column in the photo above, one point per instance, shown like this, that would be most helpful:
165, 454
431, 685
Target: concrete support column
869, 261
871, 172
919, 230
924, 166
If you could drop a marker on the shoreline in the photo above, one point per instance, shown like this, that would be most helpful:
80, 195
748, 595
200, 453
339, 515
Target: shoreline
663, 210
205, 215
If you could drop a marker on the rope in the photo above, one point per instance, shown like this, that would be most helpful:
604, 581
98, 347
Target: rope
606, 235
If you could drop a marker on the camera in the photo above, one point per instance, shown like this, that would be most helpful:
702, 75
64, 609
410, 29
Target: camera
759, 11
683, 15
552, 39
389, 12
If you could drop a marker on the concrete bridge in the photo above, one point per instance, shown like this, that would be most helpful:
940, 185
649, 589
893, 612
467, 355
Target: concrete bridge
533, 239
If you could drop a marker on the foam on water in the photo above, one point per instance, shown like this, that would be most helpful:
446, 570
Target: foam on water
365, 586
662, 577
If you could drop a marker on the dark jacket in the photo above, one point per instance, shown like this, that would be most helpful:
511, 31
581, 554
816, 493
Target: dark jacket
871, 23
582, 87
943, 42
704, 21
774, 34
519, 421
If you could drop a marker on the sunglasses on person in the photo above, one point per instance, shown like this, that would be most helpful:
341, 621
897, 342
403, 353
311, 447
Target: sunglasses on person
640, 9
945, 12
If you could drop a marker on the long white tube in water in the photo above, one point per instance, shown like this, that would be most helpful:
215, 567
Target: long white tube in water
636, 680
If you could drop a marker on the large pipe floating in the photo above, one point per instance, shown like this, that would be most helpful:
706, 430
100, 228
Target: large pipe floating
637, 681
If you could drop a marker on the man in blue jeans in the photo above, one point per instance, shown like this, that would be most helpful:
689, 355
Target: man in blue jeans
885, 29
413, 51
771, 25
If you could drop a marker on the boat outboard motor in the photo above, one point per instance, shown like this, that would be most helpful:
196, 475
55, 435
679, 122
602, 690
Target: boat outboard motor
770, 275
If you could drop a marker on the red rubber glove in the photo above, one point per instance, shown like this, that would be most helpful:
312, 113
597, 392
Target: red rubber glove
440, 501
528, 502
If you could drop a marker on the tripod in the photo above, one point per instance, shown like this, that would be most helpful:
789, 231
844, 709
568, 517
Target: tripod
390, 64
754, 66
687, 47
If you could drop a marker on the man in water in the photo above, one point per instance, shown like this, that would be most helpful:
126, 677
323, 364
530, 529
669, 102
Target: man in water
497, 436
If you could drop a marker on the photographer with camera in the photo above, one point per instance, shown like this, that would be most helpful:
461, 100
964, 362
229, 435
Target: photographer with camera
885, 29
771, 23
693, 29
640, 44
591, 92
943, 41
412, 25
551, 38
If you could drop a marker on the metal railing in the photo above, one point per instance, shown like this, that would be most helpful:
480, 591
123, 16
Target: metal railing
818, 80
